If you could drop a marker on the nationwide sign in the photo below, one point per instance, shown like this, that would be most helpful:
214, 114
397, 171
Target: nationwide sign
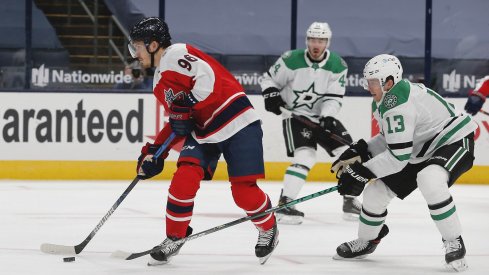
42, 77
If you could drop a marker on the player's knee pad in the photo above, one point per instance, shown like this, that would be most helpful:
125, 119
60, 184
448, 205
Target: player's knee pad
376, 197
433, 184
305, 156
186, 181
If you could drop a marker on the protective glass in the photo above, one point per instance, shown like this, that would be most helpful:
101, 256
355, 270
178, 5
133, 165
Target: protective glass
134, 48
371, 84
318, 41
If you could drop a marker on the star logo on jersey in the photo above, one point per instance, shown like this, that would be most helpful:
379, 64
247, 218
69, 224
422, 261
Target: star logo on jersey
306, 97
170, 96
390, 101
306, 133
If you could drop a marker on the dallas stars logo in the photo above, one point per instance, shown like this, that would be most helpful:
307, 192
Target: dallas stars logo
390, 100
307, 97
306, 133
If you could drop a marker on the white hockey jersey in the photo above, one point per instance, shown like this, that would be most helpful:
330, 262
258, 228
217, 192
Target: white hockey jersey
308, 88
414, 122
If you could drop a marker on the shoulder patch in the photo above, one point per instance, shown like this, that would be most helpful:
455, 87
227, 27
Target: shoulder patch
294, 59
390, 100
286, 54
335, 63
398, 95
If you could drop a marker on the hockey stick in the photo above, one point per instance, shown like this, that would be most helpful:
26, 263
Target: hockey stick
71, 250
314, 126
130, 256
484, 112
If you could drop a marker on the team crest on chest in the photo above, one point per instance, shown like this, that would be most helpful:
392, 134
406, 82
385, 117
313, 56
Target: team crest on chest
307, 97
390, 100
170, 96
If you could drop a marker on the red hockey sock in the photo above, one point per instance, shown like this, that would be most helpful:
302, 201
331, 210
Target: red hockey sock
249, 197
181, 194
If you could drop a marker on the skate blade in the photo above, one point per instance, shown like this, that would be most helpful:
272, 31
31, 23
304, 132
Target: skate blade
286, 219
350, 217
263, 260
339, 258
457, 265
153, 262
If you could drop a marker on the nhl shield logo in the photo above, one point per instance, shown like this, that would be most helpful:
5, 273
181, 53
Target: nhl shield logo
390, 100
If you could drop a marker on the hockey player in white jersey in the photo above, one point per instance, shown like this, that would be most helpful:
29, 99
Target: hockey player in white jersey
423, 143
311, 83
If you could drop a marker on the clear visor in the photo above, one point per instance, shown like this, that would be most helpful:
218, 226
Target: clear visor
134, 48
371, 84
314, 40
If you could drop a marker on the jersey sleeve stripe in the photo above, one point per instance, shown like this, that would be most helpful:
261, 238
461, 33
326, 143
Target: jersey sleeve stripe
402, 145
234, 109
402, 157
450, 133
427, 144
443, 101
333, 95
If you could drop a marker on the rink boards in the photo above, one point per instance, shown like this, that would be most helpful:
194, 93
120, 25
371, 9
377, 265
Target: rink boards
59, 135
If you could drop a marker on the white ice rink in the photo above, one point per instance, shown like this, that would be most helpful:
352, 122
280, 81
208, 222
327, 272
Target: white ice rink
35, 212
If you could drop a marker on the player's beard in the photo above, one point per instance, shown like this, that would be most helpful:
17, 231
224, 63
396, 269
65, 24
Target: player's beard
316, 53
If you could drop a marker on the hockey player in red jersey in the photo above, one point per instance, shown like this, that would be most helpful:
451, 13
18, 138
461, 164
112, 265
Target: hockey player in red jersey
209, 109
477, 97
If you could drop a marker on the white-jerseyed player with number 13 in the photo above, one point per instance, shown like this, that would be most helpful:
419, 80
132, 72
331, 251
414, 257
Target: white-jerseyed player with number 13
423, 143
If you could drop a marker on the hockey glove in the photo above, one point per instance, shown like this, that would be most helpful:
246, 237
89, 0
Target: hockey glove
333, 127
353, 179
273, 100
147, 166
328, 123
474, 103
181, 120
358, 151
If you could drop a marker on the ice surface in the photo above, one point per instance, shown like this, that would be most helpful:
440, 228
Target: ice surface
65, 212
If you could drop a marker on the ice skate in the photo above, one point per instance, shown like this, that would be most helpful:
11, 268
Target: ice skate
169, 250
267, 241
359, 249
288, 215
454, 254
351, 208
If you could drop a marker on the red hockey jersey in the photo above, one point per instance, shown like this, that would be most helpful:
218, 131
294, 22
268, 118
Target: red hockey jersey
221, 108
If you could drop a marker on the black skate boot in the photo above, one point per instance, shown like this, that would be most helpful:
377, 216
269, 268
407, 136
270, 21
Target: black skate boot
169, 250
288, 215
359, 249
454, 254
267, 241
351, 208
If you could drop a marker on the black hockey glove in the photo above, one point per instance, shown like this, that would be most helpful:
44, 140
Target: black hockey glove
332, 126
273, 100
181, 121
147, 166
474, 103
358, 151
353, 179
328, 123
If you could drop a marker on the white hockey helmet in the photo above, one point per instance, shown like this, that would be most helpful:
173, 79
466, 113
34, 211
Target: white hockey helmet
381, 67
319, 30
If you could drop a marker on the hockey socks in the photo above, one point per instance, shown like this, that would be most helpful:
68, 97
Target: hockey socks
180, 204
249, 197
294, 178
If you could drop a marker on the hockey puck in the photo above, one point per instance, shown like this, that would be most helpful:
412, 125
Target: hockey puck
68, 259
